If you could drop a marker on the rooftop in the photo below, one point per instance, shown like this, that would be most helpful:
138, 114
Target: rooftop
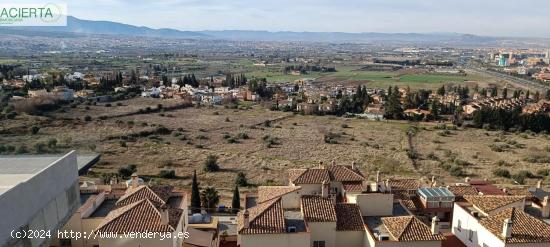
16, 169
525, 228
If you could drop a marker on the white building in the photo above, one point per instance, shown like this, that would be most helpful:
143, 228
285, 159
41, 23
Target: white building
498, 221
36, 193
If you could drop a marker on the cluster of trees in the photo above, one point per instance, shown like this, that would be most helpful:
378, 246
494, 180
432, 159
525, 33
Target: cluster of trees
355, 103
403, 62
393, 107
304, 69
504, 119
259, 86
234, 81
189, 79
209, 198
9, 71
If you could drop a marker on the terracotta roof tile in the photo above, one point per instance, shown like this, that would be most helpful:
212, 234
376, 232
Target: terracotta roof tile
266, 193
525, 228
353, 186
313, 176
344, 173
318, 209
404, 184
140, 216
463, 190
519, 192
348, 217
265, 218
410, 228
157, 195
490, 203
293, 174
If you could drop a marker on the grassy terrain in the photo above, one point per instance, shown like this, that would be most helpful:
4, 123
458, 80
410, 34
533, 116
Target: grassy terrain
290, 141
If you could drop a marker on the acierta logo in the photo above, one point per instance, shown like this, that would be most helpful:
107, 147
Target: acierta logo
50, 14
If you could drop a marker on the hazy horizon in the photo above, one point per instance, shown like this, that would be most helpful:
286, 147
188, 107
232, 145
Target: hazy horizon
487, 18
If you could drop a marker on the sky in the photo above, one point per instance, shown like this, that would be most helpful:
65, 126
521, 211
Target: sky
529, 18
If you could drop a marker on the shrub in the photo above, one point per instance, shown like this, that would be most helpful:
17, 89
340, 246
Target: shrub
123, 144
127, 171
537, 159
241, 180
168, 174
119, 104
500, 172
87, 118
35, 129
211, 164
108, 105
232, 140
243, 136
202, 137
21, 150
52, 143
543, 172
522, 175
456, 171
344, 125
39, 147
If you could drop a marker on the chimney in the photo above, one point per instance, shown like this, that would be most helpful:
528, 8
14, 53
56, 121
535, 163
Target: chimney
467, 180
378, 176
546, 207
333, 162
164, 216
324, 189
135, 181
539, 184
321, 165
435, 225
507, 228
246, 219
353, 165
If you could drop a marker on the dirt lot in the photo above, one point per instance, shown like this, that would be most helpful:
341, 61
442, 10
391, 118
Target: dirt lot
288, 141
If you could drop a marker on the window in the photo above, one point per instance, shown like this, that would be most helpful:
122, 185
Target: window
318, 243
65, 243
459, 226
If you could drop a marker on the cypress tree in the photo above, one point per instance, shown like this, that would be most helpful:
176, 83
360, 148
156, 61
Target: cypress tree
236, 202
195, 195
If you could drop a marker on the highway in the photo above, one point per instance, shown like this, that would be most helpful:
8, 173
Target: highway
513, 79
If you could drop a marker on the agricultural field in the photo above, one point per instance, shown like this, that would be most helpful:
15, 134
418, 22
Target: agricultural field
265, 144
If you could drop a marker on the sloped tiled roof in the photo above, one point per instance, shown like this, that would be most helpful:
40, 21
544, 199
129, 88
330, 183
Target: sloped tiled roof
519, 192
293, 174
490, 203
266, 193
344, 173
353, 186
463, 190
406, 200
410, 228
265, 218
525, 228
404, 184
140, 216
318, 209
313, 176
157, 195
348, 217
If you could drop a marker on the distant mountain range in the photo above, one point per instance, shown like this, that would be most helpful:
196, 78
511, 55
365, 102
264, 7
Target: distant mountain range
78, 27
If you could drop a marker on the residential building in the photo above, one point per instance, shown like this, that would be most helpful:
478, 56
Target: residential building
38, 193
498, 221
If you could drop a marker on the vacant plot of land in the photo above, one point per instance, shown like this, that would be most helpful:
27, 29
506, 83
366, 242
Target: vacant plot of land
265, 144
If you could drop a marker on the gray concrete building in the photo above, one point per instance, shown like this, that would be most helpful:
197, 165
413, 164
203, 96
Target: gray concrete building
38, 194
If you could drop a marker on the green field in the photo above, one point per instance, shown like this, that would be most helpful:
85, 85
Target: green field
380, 79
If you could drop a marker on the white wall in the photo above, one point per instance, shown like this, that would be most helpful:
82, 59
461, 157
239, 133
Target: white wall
44, 202
470, 223
323, 231
375, 204
349, 238
291, 200
310, 189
